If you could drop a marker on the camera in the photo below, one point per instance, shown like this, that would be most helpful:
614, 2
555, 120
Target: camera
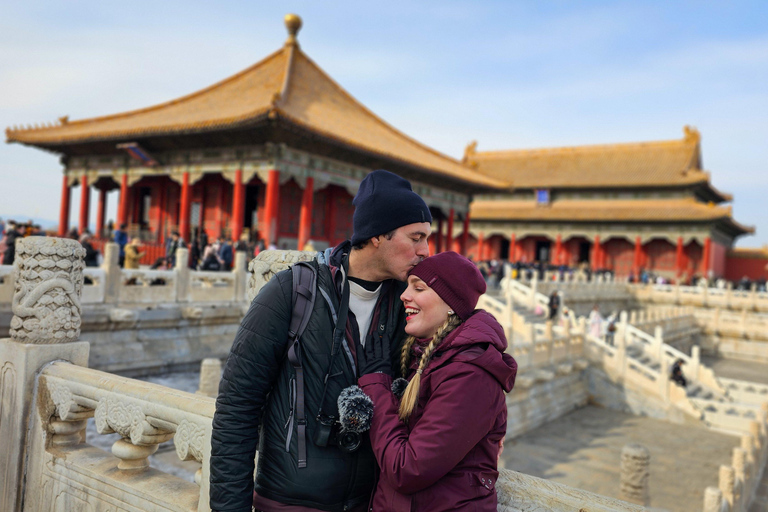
330, 433
348, 441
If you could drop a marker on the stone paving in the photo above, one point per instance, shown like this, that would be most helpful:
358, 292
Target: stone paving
738, 369
583, 449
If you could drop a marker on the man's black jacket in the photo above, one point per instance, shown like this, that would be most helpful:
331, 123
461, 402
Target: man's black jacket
256, 398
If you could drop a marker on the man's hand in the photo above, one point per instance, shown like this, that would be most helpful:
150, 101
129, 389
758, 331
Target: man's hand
374, 358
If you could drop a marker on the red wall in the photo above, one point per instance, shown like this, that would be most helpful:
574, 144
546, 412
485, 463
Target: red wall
719, 259
752, 267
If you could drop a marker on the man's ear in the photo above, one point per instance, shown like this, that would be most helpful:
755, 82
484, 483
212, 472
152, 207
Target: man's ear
376, 241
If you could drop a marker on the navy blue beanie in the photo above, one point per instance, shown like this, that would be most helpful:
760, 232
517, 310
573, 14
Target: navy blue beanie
385, 202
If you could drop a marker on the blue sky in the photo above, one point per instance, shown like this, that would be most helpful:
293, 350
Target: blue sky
507, 74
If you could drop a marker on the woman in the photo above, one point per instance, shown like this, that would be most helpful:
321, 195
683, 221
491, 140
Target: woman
132, 254
595, 322
438, 447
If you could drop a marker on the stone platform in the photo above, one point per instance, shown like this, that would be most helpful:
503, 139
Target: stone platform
753, 371
583, 449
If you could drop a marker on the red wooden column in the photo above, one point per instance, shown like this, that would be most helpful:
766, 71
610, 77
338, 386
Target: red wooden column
85, 197
271, 204
706, 256
512, 248
439, 241
432, 245
100, 213
238, 206
638, 257
122, 209
596, 250
679, 257
465, 235
305, 215
184, 207
449, 232
64, 208
480, 249
558, 250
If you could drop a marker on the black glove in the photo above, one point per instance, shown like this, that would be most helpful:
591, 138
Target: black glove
374, 358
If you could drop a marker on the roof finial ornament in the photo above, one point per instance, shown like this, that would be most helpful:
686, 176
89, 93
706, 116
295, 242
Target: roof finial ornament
691, 134
293, 24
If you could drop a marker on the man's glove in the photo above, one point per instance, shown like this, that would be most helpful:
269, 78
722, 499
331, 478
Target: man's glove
374, 358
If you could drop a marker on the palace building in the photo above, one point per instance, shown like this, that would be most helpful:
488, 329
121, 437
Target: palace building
278, 150
620, 207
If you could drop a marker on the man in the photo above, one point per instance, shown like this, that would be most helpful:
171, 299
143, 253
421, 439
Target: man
554, 305
225, 254
174, 243
10, 243
257, 403
121, 239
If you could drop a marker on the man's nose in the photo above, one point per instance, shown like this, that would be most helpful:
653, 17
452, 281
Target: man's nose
422, 249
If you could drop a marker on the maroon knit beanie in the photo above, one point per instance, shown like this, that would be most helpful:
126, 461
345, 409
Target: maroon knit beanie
454, 278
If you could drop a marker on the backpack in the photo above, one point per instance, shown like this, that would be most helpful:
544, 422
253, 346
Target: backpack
303, 300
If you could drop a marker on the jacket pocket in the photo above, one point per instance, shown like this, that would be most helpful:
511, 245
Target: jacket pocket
483, 484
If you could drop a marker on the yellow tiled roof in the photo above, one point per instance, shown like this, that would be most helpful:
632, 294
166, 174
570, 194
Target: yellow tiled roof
613, 210
653, 164
748, 252
286, 84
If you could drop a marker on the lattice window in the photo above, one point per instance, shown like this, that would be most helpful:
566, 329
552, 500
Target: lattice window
620, 256
661, 255
290, 208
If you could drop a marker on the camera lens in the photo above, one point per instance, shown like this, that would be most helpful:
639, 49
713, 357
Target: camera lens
349, 441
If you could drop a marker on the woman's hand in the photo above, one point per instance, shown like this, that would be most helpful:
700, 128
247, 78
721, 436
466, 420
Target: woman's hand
374, 358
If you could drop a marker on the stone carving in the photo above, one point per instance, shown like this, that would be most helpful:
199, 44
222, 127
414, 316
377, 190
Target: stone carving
49, 283
635, 460
189, 441
67, 409
113, 416
129, 421
269, 263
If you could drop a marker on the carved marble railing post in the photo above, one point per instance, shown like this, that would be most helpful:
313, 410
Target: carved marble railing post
727, 484
241, 274
635, 462
45, 327
210, 375
182, 274
713, 500
269, 263
112, 273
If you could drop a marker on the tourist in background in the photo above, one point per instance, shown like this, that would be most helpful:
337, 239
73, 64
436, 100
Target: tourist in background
677, 373
2, 229
132, 254
211, 260
554, 304
174, 243
91, 254
225, 254
10, 243
438, 446
595, 321
195, 250
121, 239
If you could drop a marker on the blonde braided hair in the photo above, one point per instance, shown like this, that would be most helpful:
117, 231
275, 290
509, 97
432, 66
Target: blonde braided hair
411, 395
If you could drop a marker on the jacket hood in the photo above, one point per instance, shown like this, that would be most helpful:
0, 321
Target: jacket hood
480, 341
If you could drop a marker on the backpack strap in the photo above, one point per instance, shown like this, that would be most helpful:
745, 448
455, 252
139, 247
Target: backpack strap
303, 297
